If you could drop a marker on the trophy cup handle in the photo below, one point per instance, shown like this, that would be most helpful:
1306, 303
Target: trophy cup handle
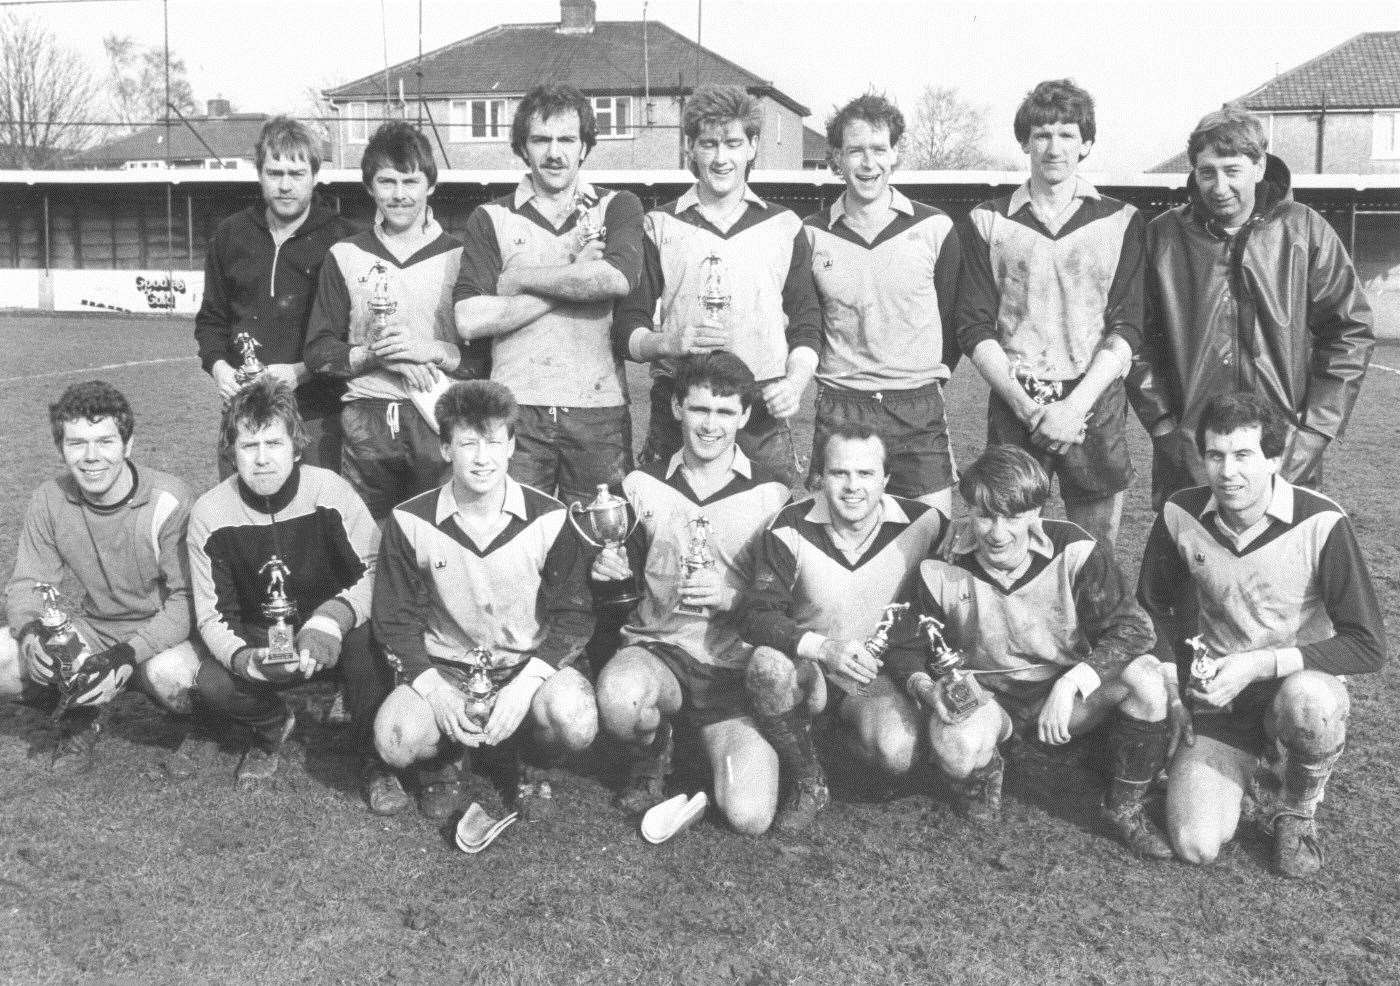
574, 509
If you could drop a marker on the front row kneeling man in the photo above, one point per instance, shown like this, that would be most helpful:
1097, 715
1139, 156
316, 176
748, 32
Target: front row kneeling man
482, 564
1043, 612
1270, 579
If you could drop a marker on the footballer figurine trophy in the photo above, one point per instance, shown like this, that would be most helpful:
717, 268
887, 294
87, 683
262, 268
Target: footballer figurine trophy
1204, 668
697, 558
60, 641
586, 229
877, 644
251, 367
945, 666
606, 518
381, 303
281, 639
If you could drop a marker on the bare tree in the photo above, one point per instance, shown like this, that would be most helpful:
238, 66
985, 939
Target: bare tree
136, 82
948, 133
46, 90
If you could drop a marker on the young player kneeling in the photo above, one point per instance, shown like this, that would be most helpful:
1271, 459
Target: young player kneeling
819, 614
1044, 608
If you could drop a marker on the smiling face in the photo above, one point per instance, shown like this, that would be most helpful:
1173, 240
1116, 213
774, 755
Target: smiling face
1003, 541
720, 156
479, 458
554, 151
1055, 150
264, 457
1240, 475
853, 478
866, 160
401, 197
287, 184
709, 423
1226, 183
96, 458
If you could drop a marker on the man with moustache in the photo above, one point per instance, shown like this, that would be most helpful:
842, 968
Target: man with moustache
260, 277
542, 268
886, 271
1246, 290
826, 572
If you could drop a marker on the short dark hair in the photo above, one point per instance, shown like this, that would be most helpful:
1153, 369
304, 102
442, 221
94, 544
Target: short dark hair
1055, 101
874, 109
550, 100
715, 105
850, 431
398, 145
721, 371
1004, 481
259, 405
473, 404
1225, 413
93, 401
288, 139
1228, 131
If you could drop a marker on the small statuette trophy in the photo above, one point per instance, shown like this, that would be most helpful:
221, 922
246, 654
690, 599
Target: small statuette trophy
381, 302
480, 690
607, 520
877, 644
961, 694
1204, 668
1041, 391
715, 296
697, 558
61, 642
252, 367
281, 639
586, 228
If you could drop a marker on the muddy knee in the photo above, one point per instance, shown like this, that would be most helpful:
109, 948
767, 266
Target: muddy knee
771, 681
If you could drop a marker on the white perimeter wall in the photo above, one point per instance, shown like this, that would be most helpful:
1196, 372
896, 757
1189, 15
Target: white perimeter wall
138, 291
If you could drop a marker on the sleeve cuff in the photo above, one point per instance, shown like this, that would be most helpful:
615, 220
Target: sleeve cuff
428, 682
1084, 678
338, 612
634, 342
325, 624
537, 669
809, 645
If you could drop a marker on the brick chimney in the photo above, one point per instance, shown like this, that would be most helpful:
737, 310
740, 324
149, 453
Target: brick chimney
217, 109
577, 16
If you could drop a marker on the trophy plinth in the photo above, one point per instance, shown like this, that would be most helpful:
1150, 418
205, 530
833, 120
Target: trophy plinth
945, 667
381, 302
715, 297
251, 368
607, 518
697, 558
281, 638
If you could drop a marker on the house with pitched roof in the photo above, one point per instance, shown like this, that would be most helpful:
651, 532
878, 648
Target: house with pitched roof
1338, 113
637, 74
220, 139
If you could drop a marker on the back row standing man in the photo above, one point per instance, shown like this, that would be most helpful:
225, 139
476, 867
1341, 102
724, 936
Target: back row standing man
1050, 310
542, 268
260, 277
753, 261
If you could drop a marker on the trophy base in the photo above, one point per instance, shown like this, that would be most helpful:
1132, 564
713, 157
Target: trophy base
617, 595
281, 645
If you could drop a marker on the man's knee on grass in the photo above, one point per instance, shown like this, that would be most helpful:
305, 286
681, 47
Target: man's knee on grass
566, 711
404, 730
889, 742
1310, 714
1146, 697
169, 677
771, 682
964, 747
627, 697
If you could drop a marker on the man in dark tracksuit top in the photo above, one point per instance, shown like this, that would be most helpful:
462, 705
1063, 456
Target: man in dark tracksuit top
541, 269
1246, 290
260, 277
317, 528
1266, 578
773, 322
1050, 310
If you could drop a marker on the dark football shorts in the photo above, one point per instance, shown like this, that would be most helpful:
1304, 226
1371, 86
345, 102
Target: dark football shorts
709, 693
912, 423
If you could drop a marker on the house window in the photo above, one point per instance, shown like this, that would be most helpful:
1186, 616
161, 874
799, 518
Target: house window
614, 115
1386, 140
478, 119
357, 122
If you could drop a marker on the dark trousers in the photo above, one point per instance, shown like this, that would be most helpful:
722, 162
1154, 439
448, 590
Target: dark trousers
368, 680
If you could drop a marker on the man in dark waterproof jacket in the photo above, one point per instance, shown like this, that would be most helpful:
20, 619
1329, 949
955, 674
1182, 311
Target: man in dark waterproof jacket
260, 277
1247, 290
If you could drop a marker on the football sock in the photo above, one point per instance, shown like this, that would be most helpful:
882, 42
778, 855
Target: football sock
1139, 751
790, 734
1305, 779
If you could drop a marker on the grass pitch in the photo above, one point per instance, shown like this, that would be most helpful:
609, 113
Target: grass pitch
124, 876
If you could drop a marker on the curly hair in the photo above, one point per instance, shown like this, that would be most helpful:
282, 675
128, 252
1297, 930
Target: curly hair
874, 109
259, 405
91, 401
549, 100
1055, 101
716, 105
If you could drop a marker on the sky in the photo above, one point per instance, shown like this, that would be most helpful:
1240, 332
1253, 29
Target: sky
1153, 66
